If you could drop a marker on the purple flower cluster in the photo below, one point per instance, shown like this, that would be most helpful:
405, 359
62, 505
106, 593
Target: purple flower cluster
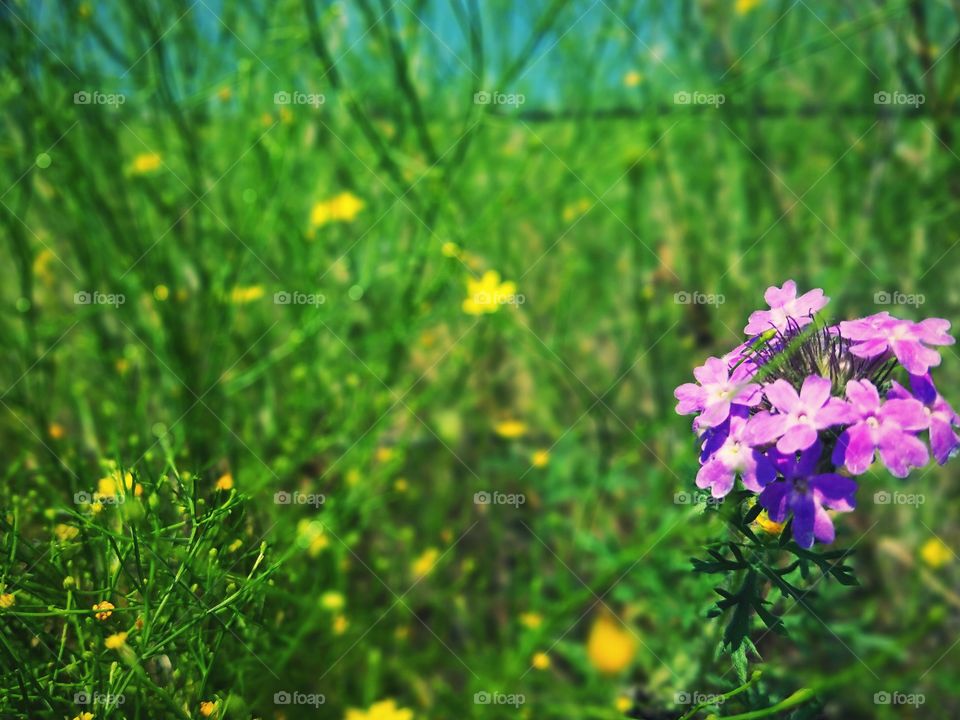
800, 407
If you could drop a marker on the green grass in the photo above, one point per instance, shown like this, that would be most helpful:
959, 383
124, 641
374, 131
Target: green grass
600, 201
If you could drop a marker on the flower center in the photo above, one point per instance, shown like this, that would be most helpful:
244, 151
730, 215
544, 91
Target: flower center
873, 422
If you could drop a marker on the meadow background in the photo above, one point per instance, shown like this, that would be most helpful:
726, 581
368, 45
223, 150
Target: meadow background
246, 399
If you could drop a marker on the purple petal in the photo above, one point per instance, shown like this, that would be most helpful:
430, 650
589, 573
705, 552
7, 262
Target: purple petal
855, 448
901, 451
943, 439
869, 348
916, 358
758, 471
837, 492
814, 392
804, 511
934, 331
765, 427
715, 413
798, 437
690, 398
782, 396
823, 529
835, 412
717, 476
905, 414
774, 500
923, 388
863, 396
779, 296
712, 372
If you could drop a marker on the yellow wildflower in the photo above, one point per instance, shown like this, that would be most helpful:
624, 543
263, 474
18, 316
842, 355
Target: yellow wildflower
116, 641
104, 609
632, 78
383, 454
225, 482
341, 208
208, 708
744, 6
531, 620
41, 265
7, 601
541, 661
146, 162
161, 293
580, 207
64, 532
936, 553
623, 703
243, 295
450, 249
510, 429
84, 716
312, 537
770, 527
610, 646
57, 431
423, 565
340, 624
332, 600
540, 458
401, 485
383, 710
487, 294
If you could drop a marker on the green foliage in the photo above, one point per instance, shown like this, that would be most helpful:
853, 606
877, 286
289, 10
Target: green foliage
203, 203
